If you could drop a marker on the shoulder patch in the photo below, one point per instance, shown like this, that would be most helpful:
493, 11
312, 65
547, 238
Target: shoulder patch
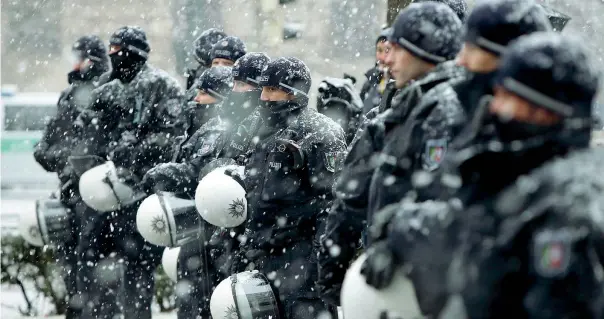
332, 160
434, 153
552, 252
208, 145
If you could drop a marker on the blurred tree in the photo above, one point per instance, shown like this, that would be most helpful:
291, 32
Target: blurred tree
190, 18
29, 267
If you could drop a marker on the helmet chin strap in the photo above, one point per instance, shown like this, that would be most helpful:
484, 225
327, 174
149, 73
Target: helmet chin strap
108, 181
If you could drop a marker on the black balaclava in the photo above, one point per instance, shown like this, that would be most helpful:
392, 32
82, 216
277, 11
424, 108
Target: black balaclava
566, 86
247, 69
127, 62
91, 48
292, 76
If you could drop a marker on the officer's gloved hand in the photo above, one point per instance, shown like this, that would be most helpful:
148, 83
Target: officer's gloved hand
121, 154
85, 117
381, 220
167, 177
126, 176
236, 175
380, 265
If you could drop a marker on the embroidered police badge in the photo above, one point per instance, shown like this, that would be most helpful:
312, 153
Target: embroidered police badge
208, 145
434, 153
332, 160
552, 252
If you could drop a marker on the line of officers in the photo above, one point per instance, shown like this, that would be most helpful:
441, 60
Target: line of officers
459, 183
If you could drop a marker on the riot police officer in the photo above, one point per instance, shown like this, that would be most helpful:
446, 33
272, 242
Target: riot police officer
538, 116
59, 138
225, 140
288, 179
378, 145
137, 107
203, 45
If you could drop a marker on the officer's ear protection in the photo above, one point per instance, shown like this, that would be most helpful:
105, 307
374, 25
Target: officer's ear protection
284, 145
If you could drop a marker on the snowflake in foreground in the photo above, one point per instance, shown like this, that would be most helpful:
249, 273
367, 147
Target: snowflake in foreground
158, 224
237, 208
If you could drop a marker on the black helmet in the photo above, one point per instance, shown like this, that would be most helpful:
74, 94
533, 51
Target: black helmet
493, 24
132, 39
217, 82
290, 75
91, 47
566, 84
203, 44
460, 7
229, 48
249, 67
429, 30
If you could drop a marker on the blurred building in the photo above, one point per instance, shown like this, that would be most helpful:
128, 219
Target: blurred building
335, 36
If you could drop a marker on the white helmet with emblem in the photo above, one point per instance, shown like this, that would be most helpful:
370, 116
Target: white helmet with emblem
361, 301
164, 219
220, 199
245, 295
102, 190
47, 224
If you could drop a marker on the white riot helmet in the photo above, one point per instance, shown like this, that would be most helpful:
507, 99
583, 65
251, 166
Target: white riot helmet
48, 224
246, 295
220, 199
102, 190
166, 220
169, 262
361, 301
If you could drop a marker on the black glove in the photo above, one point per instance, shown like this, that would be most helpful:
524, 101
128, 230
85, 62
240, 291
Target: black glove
380, 265
234, 173
121, 154
168, 177
381, 220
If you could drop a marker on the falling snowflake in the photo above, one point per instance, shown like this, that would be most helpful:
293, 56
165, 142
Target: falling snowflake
158, 224
237, 208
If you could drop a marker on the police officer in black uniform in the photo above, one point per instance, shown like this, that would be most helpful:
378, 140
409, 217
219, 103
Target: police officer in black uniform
138, 107
224, 140
203, 45
288, 179
224, 52
510, 247
59, 138
425, 62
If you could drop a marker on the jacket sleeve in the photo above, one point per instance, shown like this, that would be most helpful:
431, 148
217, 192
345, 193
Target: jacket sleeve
165, 126
48, 151
346, 219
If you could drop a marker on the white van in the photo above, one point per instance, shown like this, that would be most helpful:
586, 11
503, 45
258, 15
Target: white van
23, 117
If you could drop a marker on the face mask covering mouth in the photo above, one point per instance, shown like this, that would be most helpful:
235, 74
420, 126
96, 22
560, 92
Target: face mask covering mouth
276, 112
509, 129
125, 65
